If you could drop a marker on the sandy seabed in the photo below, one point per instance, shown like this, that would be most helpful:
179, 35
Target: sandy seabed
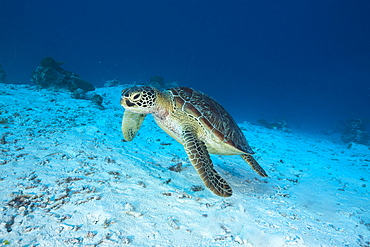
68, 179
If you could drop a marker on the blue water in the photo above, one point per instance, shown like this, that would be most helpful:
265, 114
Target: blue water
305, 61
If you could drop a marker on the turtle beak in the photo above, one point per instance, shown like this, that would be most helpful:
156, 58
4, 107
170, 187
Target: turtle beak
129, 103
123, 101
126, 102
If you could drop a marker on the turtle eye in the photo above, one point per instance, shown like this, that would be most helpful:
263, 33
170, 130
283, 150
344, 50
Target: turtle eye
136, 96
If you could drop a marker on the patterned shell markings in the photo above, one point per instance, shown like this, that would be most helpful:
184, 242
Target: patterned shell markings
212, 115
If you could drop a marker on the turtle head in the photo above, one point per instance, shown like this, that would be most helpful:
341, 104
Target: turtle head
139, 99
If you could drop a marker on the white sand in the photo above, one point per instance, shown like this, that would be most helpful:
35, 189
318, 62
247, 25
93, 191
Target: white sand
67, 179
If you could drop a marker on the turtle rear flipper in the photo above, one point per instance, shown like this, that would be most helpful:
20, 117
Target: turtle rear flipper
131, 123
199, 158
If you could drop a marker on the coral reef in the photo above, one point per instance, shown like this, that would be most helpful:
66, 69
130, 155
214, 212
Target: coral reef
79, 94
50, 74
279, 124
49, 62
335, 127
97, 100
2, 75
112, 83
355, 131
159, 82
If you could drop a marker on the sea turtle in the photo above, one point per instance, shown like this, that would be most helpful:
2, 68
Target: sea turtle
196, 121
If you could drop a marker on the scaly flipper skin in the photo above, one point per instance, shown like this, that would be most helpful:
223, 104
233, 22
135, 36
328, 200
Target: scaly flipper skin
254, 164
199, 158
131, 123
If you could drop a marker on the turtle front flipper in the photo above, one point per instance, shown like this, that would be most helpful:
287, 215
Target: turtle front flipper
200, 159
131, 123
254, 164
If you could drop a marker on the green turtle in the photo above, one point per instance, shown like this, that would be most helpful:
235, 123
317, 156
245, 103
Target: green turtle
196, 121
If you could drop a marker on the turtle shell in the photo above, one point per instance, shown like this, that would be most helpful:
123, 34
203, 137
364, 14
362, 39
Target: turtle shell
211, 115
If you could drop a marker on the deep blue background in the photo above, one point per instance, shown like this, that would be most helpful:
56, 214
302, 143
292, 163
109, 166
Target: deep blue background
307, 61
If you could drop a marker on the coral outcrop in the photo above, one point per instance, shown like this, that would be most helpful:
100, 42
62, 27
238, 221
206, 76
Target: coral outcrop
278, 124
160, 83
355, 131
50, 74
112, 83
